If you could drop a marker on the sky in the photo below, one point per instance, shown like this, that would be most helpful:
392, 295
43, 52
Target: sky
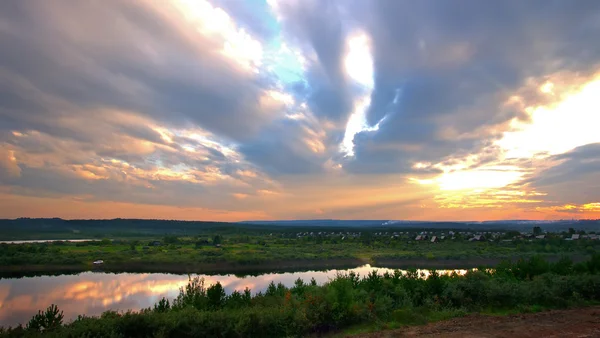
236, 110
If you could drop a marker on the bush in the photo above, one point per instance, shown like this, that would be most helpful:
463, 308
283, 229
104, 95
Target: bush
49, 320
308, 309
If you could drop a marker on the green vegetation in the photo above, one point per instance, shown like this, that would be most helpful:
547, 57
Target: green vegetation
346, 302
246, 249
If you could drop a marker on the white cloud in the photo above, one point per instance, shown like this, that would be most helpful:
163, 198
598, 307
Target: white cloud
557, 128
236, 43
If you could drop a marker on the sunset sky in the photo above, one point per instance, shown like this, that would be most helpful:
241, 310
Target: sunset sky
300, 109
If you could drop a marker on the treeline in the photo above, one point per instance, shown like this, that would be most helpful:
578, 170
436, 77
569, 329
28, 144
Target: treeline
350, 299
56, 228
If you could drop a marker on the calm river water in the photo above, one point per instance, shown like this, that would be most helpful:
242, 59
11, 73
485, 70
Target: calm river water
92, 293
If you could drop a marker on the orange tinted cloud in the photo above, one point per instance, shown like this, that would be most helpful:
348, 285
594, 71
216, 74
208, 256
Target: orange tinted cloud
12, 206
196, 110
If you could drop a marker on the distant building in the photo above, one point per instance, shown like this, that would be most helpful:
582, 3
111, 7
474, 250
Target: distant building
156, 243
434, 239
540, 237
99, 262
575, 237
477, 238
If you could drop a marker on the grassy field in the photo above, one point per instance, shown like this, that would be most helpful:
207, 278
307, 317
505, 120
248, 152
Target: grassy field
248, 250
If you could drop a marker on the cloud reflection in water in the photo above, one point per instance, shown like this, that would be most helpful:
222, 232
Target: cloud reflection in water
93, 293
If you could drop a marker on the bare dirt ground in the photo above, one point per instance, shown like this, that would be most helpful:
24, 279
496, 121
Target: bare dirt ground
573, 323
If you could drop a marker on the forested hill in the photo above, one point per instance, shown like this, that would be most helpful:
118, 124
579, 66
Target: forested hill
56, 228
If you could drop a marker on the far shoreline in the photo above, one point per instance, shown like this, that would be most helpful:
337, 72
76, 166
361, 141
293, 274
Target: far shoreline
267, 267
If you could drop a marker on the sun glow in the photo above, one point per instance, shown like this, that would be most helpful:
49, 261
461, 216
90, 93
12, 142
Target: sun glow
214, 22
554, 130
478, 179
358, 61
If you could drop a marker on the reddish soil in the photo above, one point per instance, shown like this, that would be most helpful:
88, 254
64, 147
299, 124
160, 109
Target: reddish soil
565, 323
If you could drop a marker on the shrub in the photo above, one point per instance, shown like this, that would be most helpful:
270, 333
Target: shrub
49, 320
309, 309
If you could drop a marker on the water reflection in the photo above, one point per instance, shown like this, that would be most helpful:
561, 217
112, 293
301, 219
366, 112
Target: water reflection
92, 293
49, 241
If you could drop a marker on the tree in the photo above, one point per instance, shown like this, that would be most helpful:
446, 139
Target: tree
217, 239
537, 231
170, 239
367, 237
216, 296
46, 321
201, 242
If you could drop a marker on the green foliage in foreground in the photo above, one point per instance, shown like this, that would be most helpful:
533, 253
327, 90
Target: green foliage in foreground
345, 301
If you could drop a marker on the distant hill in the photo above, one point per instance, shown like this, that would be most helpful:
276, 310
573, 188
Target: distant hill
520, 225
56, 228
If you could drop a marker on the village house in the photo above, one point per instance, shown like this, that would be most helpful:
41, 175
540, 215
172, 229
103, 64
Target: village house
477, 238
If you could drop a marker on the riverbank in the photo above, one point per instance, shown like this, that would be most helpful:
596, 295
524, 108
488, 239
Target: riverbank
242, 254
466, 263
13, 271
282, 266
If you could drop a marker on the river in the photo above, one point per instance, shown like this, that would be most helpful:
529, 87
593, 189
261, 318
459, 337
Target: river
49, 241
91, 293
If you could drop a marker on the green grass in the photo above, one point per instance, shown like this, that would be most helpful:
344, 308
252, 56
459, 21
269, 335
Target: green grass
256, 248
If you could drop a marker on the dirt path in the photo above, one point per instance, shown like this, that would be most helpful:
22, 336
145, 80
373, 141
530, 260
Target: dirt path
578, 323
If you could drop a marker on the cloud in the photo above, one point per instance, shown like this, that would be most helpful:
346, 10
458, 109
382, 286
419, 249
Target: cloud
361, 109
316, 27
9, 168
455, 64
289, 147
172, 62
574, 178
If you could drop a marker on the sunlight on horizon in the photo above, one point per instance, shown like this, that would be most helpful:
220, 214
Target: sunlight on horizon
555, 130
552, 130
